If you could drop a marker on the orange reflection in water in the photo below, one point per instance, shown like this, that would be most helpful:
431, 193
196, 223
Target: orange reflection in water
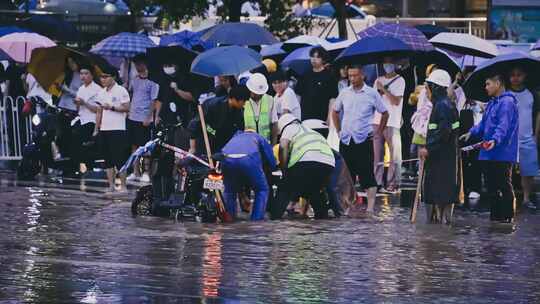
212, 268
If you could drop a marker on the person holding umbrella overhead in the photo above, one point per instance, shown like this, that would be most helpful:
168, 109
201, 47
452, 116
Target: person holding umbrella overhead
441, 152
392, 88
529, 132
498, 129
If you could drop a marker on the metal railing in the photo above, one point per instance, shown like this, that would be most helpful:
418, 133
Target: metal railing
15, 129
474, 26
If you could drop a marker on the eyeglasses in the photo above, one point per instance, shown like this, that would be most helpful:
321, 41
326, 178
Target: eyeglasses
105, 76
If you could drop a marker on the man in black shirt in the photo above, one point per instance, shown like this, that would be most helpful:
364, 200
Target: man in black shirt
223, 116
317, 87
178, 93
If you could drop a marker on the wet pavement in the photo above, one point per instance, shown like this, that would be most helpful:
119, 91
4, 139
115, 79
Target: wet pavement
68, 244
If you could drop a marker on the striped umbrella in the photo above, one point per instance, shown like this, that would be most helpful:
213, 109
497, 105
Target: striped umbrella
125, 45
411, 36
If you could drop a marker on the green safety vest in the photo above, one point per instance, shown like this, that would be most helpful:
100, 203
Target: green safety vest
259, 122
307, 140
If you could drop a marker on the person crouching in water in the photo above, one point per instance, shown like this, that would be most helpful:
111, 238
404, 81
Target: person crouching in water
441, 153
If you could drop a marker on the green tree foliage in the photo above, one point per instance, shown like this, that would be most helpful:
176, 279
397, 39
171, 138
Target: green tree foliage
282, 23
280, 20
177, 10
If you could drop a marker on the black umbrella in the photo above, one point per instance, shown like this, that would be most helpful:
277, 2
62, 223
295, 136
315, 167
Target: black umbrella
430, 30
503, 64
178, 55
53, 27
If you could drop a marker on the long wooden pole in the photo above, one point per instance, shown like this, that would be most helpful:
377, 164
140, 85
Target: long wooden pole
224, 215
416, 203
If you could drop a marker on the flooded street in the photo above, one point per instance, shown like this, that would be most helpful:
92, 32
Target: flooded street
69, 244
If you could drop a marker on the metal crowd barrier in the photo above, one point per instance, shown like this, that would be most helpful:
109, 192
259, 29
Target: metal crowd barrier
15, 129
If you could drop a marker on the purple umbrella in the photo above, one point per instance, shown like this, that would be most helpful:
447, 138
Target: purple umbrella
411, 36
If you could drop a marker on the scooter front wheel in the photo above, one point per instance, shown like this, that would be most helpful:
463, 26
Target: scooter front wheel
142, 204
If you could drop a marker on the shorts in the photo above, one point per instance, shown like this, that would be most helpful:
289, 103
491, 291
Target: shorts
528, 158
115, 148
359, 159
138, 135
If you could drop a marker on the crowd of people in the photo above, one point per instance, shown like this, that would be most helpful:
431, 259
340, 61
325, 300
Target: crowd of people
378, 121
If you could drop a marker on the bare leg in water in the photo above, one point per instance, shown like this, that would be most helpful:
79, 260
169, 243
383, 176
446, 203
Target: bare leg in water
440, 214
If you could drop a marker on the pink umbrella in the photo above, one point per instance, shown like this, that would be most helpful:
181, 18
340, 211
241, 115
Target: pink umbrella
19, 46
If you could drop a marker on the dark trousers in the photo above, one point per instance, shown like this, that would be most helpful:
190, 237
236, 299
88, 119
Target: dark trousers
499, 184
472, 172
305, 179
359, 158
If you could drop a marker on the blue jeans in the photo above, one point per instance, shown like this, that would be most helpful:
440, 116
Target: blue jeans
241, 172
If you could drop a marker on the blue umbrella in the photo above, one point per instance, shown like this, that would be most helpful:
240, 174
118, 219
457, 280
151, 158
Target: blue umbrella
273, 51
125, 45
187, 39
227, 60
299, 60
373, 50
502, 64
327, 10
5, 30
4, 56
237, 33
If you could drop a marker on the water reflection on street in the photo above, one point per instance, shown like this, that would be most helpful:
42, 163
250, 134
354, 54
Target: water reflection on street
69, 244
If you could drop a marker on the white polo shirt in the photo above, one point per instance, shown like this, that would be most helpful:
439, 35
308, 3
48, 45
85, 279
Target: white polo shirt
116, 96
396, 88
288, 101
89, 94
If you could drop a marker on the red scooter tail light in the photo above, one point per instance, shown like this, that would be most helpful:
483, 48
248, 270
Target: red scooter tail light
215, 177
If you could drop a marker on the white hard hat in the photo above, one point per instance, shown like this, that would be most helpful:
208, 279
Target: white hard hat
257, 84
285, 120
315, 124
440, 78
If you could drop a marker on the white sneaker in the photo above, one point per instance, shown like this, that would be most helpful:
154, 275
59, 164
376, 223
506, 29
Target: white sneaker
145, 178
132, 178
474, 195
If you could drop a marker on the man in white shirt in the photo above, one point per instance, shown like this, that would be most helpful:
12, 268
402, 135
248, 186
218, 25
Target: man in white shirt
113, 101
392, 87
285, 99
85, 100
260, 113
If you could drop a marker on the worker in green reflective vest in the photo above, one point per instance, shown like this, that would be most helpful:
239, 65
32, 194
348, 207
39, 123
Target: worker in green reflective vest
307, 162
260, 113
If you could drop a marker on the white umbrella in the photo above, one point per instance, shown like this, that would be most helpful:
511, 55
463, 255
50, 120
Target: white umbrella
465, 44
304, 40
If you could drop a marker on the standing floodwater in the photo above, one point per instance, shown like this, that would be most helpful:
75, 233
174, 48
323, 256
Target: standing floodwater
68, 244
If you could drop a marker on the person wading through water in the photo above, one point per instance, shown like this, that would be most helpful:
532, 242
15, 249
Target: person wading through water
441, 153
